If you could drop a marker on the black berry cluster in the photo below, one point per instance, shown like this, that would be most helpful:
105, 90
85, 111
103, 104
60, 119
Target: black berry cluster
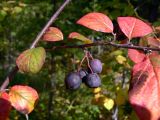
88, 76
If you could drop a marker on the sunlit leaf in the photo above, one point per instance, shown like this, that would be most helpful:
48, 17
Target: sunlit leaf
53, 34
5, 106
133, 27
121, 59
21, 4
2, 14
97, 96
96, 90
75, 35
108, 103
17, 10
31, 60
23, 98
101, 100
97, 21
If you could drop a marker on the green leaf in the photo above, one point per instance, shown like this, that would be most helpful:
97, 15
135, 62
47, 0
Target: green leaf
17, 10
32, 60
2, 15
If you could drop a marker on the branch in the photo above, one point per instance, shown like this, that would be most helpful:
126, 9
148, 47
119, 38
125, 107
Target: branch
102, 43
52, 19
9, 78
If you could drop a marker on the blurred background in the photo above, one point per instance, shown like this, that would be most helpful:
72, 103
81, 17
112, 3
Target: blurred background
21, 21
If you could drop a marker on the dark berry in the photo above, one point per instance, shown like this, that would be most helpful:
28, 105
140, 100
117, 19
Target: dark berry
93, 80
73, 81
96, 66
83, 73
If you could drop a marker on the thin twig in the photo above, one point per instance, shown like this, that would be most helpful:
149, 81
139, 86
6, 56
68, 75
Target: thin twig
80, 65
8, 78
27, 118
52, 19
90, 56
88, 63
115, 113
70, 106
100, 43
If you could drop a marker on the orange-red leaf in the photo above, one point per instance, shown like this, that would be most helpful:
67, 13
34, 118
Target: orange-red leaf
97, 21
133, 27
144, 92
23, 98
135, 55
53, 34
75, 35
5, 106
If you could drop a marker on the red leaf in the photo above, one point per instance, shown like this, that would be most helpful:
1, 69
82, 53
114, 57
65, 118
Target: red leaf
23, 98
5, 106
135, 55
75, 35
53, 34
144, 92
133, 27
97, 21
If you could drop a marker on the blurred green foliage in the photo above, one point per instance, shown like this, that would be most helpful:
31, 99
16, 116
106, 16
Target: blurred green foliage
21, 21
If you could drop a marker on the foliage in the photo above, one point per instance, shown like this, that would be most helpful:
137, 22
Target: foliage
21, 22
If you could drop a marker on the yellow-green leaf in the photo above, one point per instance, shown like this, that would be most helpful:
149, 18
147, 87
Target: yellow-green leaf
121, 59
96, 90
108, 103
75, 35
31, 60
